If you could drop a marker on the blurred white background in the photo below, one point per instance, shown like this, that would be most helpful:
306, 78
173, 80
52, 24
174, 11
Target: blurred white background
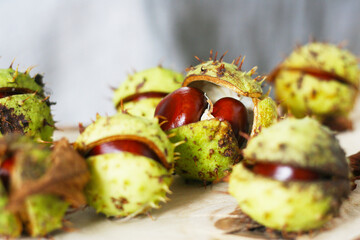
85, 47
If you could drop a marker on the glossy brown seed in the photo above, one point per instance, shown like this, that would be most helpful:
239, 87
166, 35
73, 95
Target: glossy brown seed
144, 95
324, 75
5, 92
131, 146
283, 172
183, 106
233, 111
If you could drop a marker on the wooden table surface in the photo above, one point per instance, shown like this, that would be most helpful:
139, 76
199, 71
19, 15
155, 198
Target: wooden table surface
193, 210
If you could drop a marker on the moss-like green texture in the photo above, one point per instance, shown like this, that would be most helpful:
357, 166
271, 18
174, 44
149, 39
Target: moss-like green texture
209, 150
303, 93
123, 184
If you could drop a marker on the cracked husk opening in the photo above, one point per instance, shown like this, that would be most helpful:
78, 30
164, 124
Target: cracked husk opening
145, 141
214, 92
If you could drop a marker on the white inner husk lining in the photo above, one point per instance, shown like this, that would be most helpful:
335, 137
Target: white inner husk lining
215, 92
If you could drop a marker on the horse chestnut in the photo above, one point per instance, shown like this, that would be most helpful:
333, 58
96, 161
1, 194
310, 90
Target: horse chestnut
285, 172
130, 159
211, 134
141, 92
320, 80
233, 111
297, 181
132, 146
24, 108
183, 106
7, 91
186, 105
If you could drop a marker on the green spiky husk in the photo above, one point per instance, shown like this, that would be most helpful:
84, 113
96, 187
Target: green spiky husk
292, 207
143, 108
304, 94
201, 157
126, 125
209, 150
157, 79
11, 78
299, 142
225, 74
327, 57
265, 114
27, 114
221, 75
124, 184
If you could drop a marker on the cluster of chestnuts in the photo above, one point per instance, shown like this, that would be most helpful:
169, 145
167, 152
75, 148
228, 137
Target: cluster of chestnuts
38, 182
141, 92
290, 175
217, 106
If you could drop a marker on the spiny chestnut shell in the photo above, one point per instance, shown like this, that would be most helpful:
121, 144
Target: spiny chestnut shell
10, 78
127, 127
303, 93
293, 206
230, 76
208, 152
29, 113
129, 184
26, 114
210, 147
157, 79
131, 146
183, 106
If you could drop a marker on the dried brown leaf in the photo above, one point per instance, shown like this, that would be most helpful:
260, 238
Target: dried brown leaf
238, 223
66, 178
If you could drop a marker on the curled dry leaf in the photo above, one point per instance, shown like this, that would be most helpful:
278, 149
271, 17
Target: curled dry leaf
66, 178
238, 223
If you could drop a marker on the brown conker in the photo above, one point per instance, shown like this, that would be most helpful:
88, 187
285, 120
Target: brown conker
9, 91
183, 106
122, 145
283, 172
187, 105
232, 110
